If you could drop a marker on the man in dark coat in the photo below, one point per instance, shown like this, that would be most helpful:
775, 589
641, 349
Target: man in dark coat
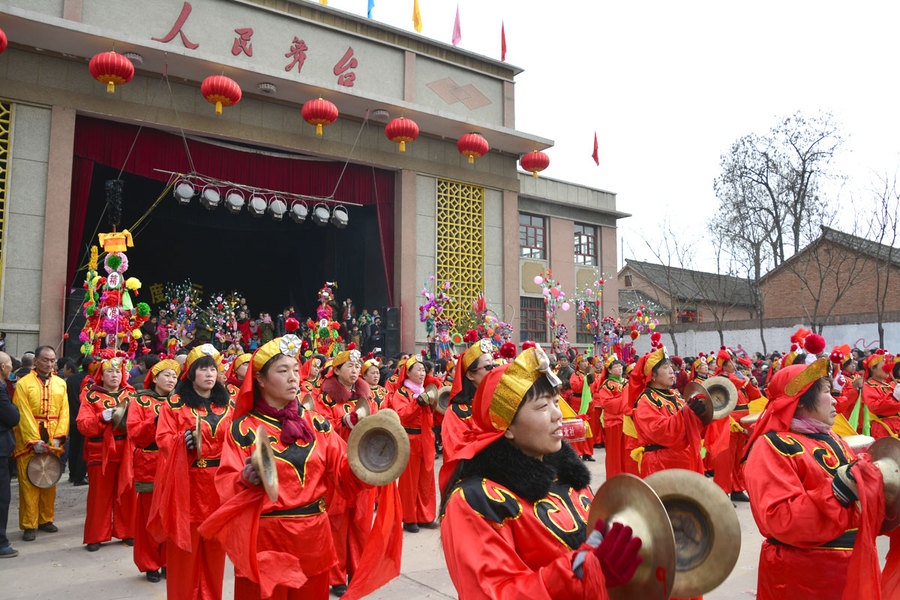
77, 466
9, 418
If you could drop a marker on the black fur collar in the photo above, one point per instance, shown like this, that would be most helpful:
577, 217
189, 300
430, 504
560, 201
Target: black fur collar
525, 476
217, 397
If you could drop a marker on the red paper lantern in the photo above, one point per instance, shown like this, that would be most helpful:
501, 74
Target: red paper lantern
3, 41
221, 91
473, 145
534, 162
401, 131
319, 112
111, 68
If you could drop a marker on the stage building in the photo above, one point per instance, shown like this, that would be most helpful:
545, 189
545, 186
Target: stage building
426, 211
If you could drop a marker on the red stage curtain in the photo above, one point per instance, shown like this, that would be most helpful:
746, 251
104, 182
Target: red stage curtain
107, 143
82, 171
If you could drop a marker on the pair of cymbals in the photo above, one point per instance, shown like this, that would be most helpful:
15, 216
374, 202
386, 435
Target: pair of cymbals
263, 460
718, 394
690, 533
119, 418
378, 448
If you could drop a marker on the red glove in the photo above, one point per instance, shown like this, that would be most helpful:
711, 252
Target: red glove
351, 419
618, 553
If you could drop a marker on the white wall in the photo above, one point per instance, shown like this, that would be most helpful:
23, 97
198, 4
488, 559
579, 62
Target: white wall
863, 335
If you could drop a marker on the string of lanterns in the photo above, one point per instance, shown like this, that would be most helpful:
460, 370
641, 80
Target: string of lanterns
114, 69
215, 192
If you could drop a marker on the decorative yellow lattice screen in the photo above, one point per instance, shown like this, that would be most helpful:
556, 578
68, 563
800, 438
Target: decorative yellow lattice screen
460, 243
5, 126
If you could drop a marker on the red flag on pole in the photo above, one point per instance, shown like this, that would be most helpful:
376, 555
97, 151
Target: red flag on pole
502, 41
596, 154
457, 33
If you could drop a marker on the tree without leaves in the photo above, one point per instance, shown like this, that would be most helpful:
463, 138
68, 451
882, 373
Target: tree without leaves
781, 173
884, 227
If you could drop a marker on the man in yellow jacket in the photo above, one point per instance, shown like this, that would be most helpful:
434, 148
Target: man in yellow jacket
43, 426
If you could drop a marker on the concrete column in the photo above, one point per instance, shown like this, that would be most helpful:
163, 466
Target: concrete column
56, 225
509, 104
405, 257
409, 76
511, 274
562, 265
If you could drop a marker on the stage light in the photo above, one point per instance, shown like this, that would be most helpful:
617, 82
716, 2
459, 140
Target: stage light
234, 201
210, 198
320, 215
299, 211
340, 217
277, 208
183, 191
257, 206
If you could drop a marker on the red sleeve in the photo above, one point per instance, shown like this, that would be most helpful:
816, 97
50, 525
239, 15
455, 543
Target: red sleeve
659, 427
576, 383
228, 475
484, 564
407, 408
752, 392
89, 421
791, 497
343, 479
168, 432
141, 422
880, 402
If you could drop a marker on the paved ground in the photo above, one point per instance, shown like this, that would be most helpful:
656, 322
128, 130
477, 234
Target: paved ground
57, 565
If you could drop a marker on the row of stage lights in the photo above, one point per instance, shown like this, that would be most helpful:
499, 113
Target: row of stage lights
259, 203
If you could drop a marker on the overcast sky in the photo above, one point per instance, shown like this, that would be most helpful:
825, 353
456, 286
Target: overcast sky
669, 86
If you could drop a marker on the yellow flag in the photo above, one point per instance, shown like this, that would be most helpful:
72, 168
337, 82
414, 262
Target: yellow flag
842, 427
417, 16
325, 2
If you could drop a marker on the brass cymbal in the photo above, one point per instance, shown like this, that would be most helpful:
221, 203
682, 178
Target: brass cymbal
443, 399
44, 470
119, 418
629, 500
378, 448
263, 461
723, 393
885, 453
696, 390
859, 443
706, 527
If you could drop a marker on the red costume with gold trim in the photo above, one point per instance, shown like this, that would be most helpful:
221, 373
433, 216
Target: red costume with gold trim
294, 528
185, 492
110, 499
576, 384
726, 439
379, 394
809, 534
612, 400
846, 400
350, 518
666, 429
143, 414
878, 396
499, 545
416, 484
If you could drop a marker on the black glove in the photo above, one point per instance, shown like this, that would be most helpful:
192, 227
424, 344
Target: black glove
422, 401
843, 491
697, 406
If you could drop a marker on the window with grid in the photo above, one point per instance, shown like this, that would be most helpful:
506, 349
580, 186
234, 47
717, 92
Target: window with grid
585, 244
533, 323
532, 236
583, 335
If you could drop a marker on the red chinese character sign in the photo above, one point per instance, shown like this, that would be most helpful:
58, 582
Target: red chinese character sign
177, 29
242, 42
344, 65
297, 54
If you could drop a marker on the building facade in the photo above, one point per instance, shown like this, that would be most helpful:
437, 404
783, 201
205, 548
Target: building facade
430, 210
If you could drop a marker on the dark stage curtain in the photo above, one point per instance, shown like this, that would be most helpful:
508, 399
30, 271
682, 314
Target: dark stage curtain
107, 143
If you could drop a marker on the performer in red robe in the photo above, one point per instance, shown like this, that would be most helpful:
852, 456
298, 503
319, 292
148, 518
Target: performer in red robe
880, 395
726, 438
143, 414
812, 526
849, 396
515, 510
235, 374
185, 491
668, 429
282, 549
309, 376
417, 481
476, 362
371, 373
584, 375
343, 392
610, 395
110, 500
